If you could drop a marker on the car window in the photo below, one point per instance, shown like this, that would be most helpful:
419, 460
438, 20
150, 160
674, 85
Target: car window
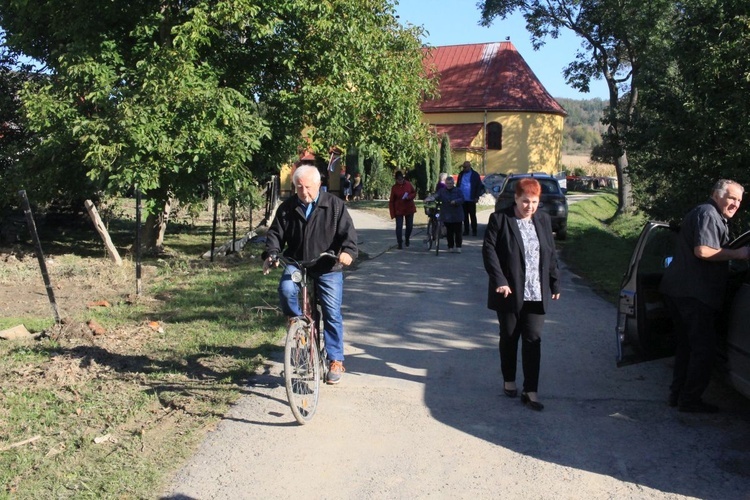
549, 186
657, 252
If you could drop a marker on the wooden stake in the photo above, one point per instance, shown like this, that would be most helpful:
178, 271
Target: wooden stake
99, 225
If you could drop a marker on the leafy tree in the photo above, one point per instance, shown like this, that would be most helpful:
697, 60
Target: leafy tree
692, 124
379, 177
616, 36
181, 98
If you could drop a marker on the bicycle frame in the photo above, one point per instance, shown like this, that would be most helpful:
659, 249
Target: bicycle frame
304, 350
434, 226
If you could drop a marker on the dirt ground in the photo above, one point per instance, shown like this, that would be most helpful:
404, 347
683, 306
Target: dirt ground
78, 284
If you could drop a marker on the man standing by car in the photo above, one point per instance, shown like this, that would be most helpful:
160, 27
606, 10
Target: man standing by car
471, 187
306, 225
694, 285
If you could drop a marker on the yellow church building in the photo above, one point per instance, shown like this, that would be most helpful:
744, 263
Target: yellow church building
495, 111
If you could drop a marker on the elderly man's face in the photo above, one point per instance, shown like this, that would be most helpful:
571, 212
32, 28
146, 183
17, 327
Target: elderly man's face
308, 188
730, 202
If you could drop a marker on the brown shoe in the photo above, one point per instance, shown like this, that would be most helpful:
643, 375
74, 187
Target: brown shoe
335, 369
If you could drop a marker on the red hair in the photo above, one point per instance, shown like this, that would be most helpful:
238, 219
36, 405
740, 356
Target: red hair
529, 187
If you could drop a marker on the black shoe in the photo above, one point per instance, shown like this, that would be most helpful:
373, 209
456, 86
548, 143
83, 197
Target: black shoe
511, 393
534, 405
473, 233
698, 407
407, 242
400, 246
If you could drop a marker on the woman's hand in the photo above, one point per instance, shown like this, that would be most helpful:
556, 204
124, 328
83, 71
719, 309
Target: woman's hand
503, 290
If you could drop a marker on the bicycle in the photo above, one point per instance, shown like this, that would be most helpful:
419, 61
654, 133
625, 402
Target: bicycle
305, 359
435, 226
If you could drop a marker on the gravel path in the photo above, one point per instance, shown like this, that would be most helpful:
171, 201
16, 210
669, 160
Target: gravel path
420, 412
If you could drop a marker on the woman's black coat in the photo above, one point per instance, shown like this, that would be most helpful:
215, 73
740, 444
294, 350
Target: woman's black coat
504, 262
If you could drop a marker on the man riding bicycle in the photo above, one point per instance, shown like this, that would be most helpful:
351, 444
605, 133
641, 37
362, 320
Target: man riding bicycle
306, 225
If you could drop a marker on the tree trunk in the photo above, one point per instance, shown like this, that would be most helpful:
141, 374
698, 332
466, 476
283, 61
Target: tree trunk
624, 187
155, 227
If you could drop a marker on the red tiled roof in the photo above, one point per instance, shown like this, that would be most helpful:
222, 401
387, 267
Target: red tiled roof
486, 76
461, 134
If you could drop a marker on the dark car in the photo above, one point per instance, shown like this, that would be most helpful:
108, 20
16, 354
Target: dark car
552, 200
644, 328
493, 183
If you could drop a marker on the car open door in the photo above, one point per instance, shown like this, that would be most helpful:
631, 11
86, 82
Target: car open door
735, 346
644, 328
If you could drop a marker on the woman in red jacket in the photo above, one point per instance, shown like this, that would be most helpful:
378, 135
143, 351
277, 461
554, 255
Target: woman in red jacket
401, 205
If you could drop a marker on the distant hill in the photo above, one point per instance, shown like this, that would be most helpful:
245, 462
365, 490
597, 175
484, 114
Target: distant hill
583, 128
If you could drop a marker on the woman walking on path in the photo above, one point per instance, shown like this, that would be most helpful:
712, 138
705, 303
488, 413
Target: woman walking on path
451, 213
402, 207
519, 257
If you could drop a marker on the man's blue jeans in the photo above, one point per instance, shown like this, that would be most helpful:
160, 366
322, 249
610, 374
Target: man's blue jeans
330, 290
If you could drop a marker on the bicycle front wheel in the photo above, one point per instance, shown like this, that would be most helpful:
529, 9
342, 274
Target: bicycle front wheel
430, 232
301, 371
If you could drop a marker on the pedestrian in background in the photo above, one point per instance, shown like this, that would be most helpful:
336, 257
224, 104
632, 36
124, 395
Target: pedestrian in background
402, 208
451, 213
693, 286
520, 259
357, 187
441, 181
472, 188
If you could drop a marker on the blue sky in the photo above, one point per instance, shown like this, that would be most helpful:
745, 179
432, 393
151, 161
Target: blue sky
454, 22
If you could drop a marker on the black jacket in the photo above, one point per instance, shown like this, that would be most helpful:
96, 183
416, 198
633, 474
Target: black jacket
504, 262
330, 228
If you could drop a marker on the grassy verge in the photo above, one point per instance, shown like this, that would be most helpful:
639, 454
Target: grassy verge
599, 244
110, 416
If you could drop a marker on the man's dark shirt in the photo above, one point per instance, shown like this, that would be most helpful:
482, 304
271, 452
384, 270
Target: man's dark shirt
690, 276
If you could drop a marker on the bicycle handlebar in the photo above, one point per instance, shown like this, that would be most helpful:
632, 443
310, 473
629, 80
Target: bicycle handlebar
306, 264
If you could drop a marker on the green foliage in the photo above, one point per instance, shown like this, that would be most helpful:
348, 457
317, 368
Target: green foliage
185, 98
583, 126
616, 37
446, 158
692, 128
379, 177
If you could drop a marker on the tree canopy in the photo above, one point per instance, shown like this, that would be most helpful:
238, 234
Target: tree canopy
615, 36
691, 128
175, 96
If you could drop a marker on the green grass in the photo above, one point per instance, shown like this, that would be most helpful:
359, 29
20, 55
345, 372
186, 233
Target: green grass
155, 393
599, 244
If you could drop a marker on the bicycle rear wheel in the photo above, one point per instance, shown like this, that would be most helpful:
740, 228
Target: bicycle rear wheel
430, 232
301, 371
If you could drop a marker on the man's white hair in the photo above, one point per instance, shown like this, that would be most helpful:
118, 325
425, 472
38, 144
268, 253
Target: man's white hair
720, 188
306, 171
